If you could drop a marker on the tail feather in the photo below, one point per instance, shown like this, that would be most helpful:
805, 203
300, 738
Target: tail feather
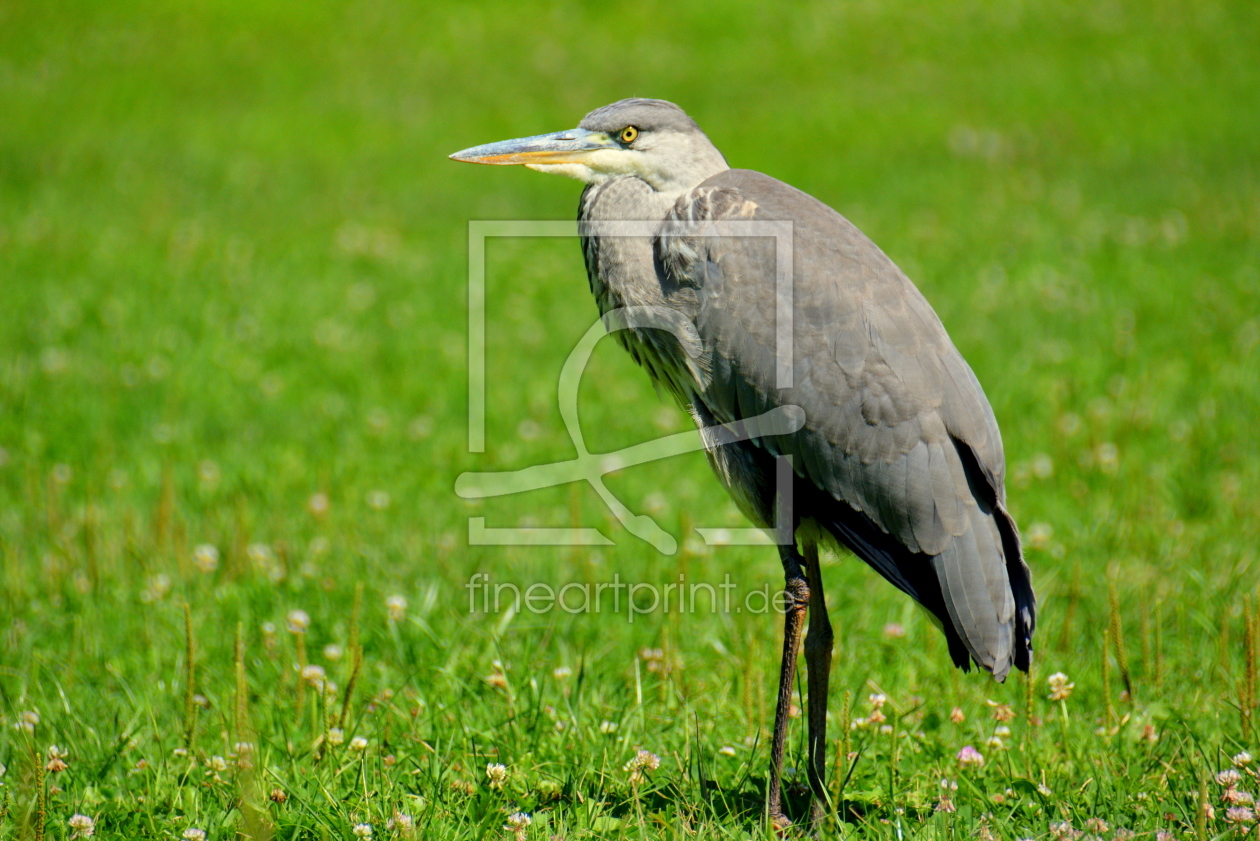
1018, 577
978, 589
976, 594
1021, 588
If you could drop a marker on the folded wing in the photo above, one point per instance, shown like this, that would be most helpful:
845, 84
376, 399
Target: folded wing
897, 426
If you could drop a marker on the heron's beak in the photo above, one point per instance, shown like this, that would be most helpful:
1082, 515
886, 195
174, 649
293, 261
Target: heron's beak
560, 147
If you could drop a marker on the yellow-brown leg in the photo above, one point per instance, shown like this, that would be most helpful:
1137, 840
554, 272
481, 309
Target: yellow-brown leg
797, 591
818, 645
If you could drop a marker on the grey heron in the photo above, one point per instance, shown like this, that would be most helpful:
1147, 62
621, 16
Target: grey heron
899, 457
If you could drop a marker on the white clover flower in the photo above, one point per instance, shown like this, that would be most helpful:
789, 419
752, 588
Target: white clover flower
1240, 815
1229, 777
56, 759
645, 759
83, 826
206, 557
1001, 712
969, 757
362, 830
517, 821
218, 763
298, 621
259, 553
726, 750
401, 821
497, 774
1241, 760
318, 504
1063, 831
607, 727
1060, 687
1107, 455
358, 744
313, 674
640, 762
877, 700
158, 586
194, 834
397, 608
333, 652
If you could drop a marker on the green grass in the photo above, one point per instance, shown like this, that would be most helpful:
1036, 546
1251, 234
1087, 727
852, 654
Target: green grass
232, 274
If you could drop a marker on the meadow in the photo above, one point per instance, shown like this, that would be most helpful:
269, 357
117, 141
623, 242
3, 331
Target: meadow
234, 573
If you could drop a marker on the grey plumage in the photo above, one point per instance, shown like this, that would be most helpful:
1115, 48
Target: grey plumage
900, 458
892, 410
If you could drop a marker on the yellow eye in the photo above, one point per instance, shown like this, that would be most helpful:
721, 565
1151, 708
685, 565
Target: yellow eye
628, 134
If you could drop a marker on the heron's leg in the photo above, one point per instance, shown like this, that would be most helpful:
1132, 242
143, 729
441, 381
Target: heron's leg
797, 597
818, 660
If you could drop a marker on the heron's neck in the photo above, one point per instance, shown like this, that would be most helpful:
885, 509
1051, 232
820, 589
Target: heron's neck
621, 268
623, 274
626, 199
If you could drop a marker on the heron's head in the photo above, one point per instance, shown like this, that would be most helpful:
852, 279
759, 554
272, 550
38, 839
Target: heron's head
649, 139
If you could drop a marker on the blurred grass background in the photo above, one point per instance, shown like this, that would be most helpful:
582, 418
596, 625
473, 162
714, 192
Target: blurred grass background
232, 279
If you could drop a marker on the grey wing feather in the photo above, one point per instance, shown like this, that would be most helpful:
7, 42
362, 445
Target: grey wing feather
895, 419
